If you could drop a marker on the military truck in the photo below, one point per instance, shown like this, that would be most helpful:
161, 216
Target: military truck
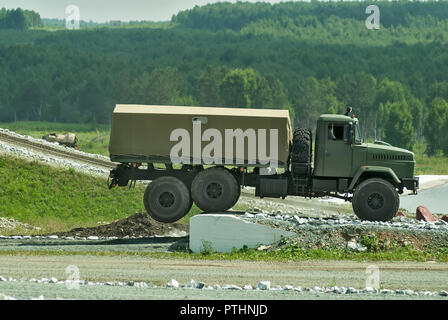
370, 175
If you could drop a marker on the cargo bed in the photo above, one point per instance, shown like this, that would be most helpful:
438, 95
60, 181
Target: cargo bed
141, 134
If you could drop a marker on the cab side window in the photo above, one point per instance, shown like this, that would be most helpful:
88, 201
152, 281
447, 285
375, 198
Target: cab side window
337, 132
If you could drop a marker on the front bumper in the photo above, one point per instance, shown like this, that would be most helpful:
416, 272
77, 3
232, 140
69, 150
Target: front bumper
411, 184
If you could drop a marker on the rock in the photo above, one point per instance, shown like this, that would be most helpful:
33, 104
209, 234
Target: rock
423, 214
248, 287
3, 278
264, 285
231, 287
368, 290
445, 218
192, 284
300, 220
200, 285
53, 280
264, 248
335, 290
386, 291
352, 291
172, 284
288, 287
443, 293
248, 215
400, 214
353, 245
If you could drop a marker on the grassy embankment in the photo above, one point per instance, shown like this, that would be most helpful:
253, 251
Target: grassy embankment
58, 200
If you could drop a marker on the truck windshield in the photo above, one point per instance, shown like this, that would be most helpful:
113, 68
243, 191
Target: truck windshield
358, 137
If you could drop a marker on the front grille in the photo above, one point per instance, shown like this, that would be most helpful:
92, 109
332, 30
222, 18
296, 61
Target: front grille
380, 156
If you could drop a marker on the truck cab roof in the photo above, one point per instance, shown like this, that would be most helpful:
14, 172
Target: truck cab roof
336, 118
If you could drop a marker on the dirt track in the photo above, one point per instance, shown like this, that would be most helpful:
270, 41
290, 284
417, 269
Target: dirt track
393, 275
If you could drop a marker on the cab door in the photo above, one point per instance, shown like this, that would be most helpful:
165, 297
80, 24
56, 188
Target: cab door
338, 151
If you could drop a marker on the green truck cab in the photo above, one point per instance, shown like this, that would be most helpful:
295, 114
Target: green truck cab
375, 173
370, 175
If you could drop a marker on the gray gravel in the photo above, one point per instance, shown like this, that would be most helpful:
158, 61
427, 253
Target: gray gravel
70, 289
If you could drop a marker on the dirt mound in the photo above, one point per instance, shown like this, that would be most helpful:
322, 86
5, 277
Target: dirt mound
137, 225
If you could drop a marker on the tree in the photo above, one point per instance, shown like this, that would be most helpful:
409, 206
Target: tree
161, 87
398, 129
208, 86
388, 92
237, 87
92, 103
14, 19
358, 91
436, 127
29, 101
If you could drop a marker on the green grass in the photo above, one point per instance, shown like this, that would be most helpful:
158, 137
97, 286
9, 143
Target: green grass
437, 164
285, 254
57, 200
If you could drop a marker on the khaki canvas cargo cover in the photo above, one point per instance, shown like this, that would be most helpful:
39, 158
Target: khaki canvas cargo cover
142, 133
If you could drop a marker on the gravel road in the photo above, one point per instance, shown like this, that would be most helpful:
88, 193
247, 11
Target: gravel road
306, 274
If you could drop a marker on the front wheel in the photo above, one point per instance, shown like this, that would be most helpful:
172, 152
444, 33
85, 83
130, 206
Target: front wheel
375, 199
167, 199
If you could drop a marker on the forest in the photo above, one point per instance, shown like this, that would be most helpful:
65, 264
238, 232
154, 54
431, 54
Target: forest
310, 58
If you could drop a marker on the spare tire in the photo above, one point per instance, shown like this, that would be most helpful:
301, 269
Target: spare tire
301, 146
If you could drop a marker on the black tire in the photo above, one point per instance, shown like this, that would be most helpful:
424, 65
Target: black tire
215, 189
167, 199
375, 199
301, 146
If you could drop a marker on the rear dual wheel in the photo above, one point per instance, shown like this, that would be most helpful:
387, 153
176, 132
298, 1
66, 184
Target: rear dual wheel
215, 189
167, 199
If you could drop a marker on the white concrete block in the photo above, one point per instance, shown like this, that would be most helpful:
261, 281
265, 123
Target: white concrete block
222, 232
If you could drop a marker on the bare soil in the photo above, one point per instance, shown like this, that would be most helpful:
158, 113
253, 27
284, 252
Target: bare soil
137, 225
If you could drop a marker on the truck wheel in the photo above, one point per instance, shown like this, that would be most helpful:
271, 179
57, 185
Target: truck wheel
215, 189
375, 200
301, 146
167, 199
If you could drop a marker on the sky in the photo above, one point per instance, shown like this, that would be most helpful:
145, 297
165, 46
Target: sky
106, 10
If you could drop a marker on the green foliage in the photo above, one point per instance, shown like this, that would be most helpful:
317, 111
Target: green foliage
309, 58
398, 129
436, 127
